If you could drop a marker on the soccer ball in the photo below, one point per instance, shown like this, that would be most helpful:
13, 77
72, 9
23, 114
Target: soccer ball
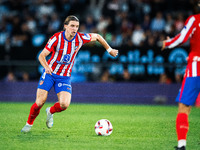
103, 127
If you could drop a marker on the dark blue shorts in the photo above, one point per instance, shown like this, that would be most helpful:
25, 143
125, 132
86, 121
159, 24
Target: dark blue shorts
189, 90
60, 83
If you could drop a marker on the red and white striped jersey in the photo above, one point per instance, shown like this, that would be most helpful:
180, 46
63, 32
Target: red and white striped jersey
191, 30
64, 51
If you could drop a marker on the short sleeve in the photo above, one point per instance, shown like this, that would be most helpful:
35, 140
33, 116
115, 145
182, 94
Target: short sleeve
86, 37
52, 43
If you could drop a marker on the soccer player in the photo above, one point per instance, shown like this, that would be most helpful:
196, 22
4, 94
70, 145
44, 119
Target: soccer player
63, 47
190, 87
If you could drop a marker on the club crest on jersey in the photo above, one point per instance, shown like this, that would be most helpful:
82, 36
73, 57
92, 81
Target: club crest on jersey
65, 60
76, 47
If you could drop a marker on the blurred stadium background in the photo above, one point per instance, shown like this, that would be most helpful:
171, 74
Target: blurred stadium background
134, 27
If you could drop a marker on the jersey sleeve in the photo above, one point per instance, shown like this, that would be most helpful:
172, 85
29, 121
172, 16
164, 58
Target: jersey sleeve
86, 37
183, 36
52, 43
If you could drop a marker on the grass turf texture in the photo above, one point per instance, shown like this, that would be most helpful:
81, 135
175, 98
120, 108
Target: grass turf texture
134, 127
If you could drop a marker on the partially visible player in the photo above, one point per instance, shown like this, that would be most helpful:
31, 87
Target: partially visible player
191, 83
63, 47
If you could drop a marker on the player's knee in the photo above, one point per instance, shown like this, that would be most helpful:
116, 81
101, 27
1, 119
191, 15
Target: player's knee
64, 105
39, 104
41, 99
184, 108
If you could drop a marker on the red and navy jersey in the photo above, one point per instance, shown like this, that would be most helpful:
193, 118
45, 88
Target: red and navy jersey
191, 30
64, 51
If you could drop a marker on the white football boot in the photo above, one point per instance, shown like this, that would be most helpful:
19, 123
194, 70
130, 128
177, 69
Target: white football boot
26, 128
49, 121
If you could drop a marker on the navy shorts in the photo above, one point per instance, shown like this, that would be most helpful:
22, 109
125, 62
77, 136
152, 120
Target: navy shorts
189, 90
60, 83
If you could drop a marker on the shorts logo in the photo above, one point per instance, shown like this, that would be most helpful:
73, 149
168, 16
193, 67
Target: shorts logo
59, 84
41, 82
64, 84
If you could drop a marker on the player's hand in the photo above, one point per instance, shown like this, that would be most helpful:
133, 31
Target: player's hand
48, 70
114, 52
163, 45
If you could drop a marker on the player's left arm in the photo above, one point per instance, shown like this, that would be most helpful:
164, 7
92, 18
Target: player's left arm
102, 41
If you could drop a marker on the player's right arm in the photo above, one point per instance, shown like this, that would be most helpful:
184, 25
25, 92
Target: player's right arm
43, 61
50, 47
183, 36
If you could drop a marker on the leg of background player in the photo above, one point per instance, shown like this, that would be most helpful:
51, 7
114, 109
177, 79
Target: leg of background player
182, 124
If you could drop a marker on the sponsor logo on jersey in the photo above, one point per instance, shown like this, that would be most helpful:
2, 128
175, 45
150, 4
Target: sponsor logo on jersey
65, 60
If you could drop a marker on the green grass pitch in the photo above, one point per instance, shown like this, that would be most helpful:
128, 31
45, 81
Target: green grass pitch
135, 127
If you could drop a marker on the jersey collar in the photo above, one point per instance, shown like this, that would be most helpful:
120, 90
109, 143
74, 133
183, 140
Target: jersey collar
67, 39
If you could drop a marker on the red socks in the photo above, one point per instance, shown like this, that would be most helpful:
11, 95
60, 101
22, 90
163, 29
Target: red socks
34, 111
56, 108
182, 126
